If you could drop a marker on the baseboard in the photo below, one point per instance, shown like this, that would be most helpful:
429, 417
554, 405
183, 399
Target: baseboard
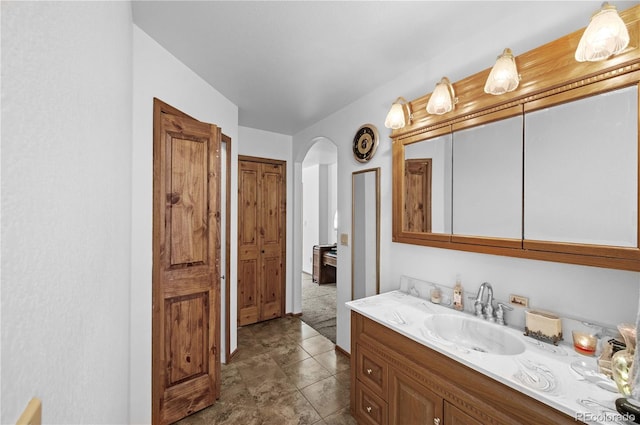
342, 351
294, 314
231, 356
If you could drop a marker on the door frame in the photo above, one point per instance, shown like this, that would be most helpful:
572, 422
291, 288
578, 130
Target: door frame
283, 288
227, 248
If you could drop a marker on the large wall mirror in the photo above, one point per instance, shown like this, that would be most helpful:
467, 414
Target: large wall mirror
487, 179
581, 178
547, 172
365, 229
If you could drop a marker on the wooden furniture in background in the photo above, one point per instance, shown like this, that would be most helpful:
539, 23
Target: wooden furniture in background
396, 381
324, 264
262, 212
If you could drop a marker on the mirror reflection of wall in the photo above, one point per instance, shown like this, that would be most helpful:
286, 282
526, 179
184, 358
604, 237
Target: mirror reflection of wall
434, 202
487, 179
581, 165
365, 248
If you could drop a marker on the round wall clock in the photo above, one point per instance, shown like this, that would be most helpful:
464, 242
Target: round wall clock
365, 142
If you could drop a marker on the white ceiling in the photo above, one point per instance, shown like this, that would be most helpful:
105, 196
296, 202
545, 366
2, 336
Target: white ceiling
289, 64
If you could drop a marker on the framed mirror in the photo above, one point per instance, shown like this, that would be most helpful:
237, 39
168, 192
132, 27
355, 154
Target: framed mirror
365, 229
581, 171
487, 179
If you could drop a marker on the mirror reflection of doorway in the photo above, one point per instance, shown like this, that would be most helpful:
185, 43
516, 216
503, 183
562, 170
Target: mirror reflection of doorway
319, 236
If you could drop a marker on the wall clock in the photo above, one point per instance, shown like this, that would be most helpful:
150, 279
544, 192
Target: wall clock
365, 142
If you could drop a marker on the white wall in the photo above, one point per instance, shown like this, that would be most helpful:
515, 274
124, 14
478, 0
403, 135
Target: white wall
156, 73
310, 215
66, 209
601, 295
266, 144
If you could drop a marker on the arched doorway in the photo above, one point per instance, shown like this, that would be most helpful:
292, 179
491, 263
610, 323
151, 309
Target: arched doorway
317, 284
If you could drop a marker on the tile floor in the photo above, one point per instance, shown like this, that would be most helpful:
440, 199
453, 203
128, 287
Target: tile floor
283, 373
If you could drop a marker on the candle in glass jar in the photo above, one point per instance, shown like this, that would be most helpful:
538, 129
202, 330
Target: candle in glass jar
584, 343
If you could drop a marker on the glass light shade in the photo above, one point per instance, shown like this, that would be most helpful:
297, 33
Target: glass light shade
395, 117
442, 98
504, 76
605, 36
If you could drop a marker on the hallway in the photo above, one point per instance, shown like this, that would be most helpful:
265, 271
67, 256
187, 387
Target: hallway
284, 373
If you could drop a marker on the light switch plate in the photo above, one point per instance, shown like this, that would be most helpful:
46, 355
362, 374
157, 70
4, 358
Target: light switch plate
344, 239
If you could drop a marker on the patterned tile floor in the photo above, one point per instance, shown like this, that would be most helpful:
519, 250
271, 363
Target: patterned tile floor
284, 373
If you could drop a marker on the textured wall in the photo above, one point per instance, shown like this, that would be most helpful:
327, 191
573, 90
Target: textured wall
66, 216
157, 73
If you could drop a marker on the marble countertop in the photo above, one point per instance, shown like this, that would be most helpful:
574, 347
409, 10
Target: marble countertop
543, 371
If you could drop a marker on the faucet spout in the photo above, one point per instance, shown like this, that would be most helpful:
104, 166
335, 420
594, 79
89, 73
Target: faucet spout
484, 308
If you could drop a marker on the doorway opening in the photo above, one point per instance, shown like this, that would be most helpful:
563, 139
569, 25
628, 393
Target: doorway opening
319, 237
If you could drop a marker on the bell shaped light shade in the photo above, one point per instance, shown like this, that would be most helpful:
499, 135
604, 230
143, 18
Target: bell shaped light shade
442, 99
606, 35
396, 117
504, 76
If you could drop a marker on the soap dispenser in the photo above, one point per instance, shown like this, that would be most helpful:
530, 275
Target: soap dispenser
458, 294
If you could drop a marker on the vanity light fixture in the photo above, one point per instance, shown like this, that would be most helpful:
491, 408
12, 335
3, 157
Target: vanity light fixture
398, 114
504, 75
605, 36
442, 99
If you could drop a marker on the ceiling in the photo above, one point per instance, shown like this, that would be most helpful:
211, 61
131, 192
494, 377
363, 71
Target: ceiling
289, 64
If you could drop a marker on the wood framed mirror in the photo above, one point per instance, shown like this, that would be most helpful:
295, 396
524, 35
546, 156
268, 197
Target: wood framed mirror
547, 172
365, 229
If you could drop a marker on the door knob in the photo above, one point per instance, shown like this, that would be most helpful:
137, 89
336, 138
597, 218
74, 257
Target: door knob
369, 409
369, 371
436, 421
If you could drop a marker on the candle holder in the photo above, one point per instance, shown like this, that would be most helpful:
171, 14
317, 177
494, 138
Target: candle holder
584, 343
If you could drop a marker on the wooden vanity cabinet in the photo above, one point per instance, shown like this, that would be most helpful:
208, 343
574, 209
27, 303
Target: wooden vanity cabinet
397, 381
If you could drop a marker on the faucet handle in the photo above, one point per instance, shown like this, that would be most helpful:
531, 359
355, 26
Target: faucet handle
500, 312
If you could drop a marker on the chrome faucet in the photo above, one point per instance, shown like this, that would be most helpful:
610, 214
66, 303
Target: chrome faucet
484, 309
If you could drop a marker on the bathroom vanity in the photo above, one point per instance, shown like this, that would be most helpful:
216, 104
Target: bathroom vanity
414, 362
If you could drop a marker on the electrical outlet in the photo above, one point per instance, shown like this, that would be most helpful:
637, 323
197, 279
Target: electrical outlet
519, 300
344, 239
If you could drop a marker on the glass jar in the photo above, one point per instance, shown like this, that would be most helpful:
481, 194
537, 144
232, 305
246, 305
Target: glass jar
622, 361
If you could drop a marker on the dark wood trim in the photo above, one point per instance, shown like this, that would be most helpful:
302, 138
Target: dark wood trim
227, 247
232, 355
294, 314
342, 351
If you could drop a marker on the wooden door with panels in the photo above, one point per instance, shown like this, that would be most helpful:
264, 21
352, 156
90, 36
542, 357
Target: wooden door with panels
261, 239
417, 186
186, 265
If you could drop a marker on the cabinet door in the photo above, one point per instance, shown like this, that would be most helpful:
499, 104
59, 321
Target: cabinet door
411, 402
455, 416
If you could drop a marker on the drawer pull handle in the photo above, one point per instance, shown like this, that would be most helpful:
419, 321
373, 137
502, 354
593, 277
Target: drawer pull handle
369, 371
369, 410
436, 421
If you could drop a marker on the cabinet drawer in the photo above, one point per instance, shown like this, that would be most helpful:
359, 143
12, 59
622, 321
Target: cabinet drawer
372, 371
370, 409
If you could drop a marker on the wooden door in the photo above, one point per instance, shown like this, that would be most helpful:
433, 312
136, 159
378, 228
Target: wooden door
186, 255
411, 402
417, 186
261, 239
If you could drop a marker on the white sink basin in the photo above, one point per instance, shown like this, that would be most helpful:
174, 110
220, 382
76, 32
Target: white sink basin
473, 334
